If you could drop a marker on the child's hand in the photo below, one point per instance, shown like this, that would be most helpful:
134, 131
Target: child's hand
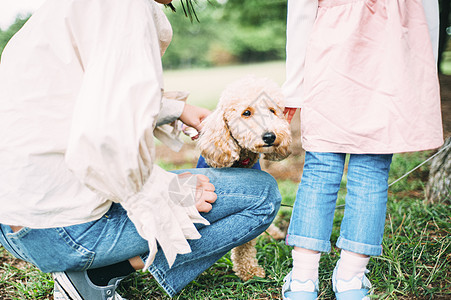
289, 113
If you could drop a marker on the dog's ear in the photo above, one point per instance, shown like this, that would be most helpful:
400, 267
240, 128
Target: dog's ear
283, 150
216, 143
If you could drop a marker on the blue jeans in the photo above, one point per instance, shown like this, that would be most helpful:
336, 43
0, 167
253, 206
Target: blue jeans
362, 226
248, 201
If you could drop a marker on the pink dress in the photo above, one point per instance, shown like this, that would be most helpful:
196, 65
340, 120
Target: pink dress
370, 83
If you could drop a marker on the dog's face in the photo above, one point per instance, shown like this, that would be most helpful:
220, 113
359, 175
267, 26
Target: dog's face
249, 116
257, 123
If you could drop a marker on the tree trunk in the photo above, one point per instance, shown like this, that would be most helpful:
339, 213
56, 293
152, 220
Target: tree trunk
438, 188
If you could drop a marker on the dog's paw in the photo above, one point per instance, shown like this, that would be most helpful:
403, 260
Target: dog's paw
259, 272
246, 274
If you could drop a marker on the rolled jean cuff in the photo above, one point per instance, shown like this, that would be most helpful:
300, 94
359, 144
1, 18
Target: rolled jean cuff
356, 247
159, 277
308, 243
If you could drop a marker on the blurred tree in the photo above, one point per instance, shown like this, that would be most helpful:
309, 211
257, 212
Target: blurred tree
256, 12
228, 32
256, 28
438, 188
6, 35
191, 41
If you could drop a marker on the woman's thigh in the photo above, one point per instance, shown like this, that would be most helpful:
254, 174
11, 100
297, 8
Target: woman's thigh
113, 238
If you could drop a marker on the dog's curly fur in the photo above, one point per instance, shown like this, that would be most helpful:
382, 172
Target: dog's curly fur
248, 121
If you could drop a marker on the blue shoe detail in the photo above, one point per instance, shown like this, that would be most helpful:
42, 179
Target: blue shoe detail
353, 294
288, 294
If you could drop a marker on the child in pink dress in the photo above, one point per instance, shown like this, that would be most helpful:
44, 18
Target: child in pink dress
364, 74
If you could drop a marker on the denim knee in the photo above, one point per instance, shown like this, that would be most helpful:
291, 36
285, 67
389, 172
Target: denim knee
257, 190
267, 203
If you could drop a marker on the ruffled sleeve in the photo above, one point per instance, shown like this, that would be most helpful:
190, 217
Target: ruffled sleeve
111, 142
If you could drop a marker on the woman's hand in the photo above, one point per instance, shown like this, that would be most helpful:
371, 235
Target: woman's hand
193, 116
289, 113
205, 192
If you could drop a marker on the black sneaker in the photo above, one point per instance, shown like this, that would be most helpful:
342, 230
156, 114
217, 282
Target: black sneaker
78, 286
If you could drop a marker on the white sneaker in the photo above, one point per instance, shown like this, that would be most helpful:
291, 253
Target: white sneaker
78, 286
58, 294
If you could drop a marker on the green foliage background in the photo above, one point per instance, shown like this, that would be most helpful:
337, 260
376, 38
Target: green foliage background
228, 32
233, 32
6, 35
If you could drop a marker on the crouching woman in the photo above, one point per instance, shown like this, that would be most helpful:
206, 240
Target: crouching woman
80, 194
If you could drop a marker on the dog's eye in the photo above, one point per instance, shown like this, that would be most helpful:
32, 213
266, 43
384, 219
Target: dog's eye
247, 113
272, 110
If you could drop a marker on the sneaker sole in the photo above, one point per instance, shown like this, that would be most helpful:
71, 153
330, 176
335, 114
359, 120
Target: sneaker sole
58, 293
65, 286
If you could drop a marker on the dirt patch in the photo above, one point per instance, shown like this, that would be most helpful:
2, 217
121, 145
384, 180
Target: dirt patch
10, 260
291, 168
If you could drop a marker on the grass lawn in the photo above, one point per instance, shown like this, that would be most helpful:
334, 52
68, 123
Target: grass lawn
416, 262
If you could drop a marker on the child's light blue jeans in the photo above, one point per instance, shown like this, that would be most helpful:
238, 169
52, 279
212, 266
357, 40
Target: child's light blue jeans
248, 201
362, 226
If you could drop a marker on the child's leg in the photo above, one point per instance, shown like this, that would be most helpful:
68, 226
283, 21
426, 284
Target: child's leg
362, 227
313, 212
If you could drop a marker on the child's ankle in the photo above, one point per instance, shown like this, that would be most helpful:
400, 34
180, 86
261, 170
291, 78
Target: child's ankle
305, 267
351, 265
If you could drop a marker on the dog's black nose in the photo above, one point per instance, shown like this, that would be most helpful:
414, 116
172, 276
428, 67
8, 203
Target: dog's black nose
269, 138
